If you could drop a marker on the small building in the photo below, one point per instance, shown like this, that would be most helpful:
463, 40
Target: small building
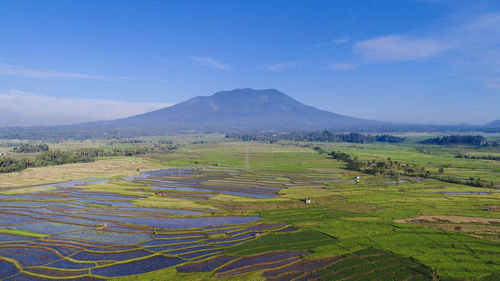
358, 177
307, 200
2, 154
101, 226
161, 194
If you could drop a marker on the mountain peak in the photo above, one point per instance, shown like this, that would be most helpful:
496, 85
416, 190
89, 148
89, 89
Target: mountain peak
242, 109
495, 123
249, 92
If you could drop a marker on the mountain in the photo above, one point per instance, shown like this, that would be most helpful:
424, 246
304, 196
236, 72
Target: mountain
494, 124
240, 109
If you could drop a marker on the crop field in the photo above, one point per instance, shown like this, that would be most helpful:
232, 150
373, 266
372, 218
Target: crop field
221, 210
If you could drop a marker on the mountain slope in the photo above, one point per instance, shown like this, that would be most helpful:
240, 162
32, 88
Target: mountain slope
241, 109
494, 124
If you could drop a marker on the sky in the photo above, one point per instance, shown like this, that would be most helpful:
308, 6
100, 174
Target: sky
422, 62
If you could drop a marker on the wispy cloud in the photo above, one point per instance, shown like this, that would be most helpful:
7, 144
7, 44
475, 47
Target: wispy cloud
341, 40
163, 80
492, 83
393, 48
492, 86
19, 108
342, 66
277, 67
334, 41
469, 43
208, 61
15, 70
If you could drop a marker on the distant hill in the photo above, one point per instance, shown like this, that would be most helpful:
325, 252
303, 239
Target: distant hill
241, 109
494, 124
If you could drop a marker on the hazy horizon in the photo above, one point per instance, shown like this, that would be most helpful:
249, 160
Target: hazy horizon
419, 62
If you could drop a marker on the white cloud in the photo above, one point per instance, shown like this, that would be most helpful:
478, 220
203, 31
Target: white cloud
277, 67
393, 48
336, 41
162, 80
492, 86
18, 108
208, 61
470, 43
493, 83
489, 22
341, 40
15, 70
342, 66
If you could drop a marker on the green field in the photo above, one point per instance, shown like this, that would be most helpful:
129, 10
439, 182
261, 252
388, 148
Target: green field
401, 228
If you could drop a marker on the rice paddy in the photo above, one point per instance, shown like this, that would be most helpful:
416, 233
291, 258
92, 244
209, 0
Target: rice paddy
86, 234
211, 214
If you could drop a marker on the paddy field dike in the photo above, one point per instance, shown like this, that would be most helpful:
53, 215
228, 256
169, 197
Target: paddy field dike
230, 210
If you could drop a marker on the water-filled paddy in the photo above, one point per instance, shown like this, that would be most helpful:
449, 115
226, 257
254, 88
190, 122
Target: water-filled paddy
10, 238
7, 269
121, 238
47, 227
102, 234
134, 239
118, 256
30, 256
137, 267
171, 241
67, 264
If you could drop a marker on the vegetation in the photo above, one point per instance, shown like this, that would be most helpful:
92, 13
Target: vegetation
102, 168
460, 139
274, 242
397, 169
407, 229
484, 157
30, 148
82, 155
324, 136
385, 167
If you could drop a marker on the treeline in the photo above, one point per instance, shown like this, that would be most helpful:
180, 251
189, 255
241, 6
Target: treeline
482, 157
137, 141
459, 139
30, 148
83, 155
64, 133
128, 141
477, 182
380, 167
324, 136
396, 169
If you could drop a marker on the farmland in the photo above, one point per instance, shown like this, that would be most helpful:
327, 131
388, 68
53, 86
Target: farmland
217, 209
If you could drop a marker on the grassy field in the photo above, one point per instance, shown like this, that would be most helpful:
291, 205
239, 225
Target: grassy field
364, 214
449, 230
105, 168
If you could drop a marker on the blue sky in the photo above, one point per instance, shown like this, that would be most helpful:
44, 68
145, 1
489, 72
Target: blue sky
403, 60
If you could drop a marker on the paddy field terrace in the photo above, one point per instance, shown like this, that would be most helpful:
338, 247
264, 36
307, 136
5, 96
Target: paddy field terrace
216, 209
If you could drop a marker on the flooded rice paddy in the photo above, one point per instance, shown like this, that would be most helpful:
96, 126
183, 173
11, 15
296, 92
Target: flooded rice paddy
68, 232
74, 233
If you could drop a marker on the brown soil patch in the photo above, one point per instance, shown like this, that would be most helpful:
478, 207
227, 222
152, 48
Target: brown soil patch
472, 228
455, 219
494, 208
